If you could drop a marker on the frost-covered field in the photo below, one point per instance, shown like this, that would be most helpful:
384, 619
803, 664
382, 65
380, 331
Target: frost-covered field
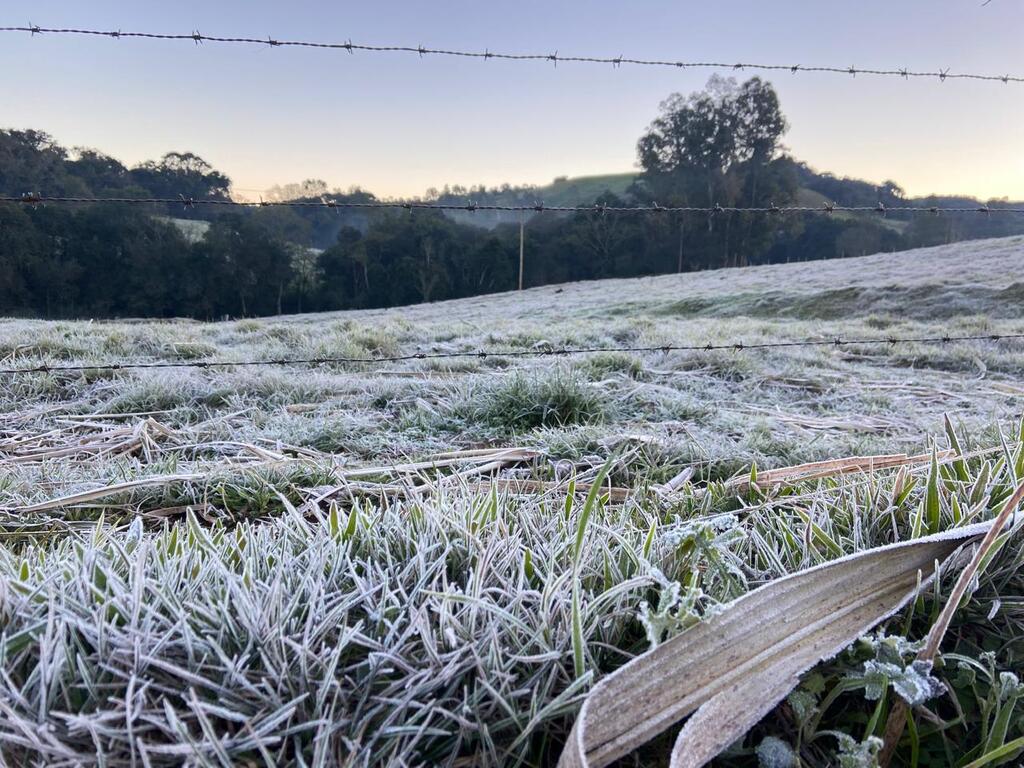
225, 565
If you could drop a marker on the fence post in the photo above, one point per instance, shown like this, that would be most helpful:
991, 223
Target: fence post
522, 227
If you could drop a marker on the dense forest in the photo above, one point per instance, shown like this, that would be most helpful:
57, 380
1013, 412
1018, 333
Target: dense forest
718, 146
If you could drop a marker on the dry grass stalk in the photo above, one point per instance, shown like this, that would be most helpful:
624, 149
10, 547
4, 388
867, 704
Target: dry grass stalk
818, 470
898, 717
108, 490
851, 423
406, 474
138, 439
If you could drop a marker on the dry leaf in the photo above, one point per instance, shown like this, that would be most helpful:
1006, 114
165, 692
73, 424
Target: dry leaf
734, 667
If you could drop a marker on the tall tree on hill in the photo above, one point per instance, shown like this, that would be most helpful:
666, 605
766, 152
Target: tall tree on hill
719, 146
702, 146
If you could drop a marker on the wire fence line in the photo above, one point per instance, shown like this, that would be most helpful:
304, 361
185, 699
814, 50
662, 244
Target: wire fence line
554, 57
826, 208
734, 346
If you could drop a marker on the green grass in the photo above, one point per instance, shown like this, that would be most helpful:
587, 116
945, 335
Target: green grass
446, 622
523, 402
583, 190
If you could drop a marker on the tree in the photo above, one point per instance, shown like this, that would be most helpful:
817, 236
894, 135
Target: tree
19, 247
181, 173
31, 161
719, 146
258, 267
699, 141
343, 271
101, 173
305, 275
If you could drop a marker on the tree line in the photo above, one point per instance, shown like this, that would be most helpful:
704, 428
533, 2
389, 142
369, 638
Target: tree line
719, 146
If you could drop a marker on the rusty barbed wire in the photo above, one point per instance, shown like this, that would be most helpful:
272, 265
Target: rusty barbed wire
554, 57
734, 346
189, 202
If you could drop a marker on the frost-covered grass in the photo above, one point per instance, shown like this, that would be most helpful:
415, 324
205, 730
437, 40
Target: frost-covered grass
237, 613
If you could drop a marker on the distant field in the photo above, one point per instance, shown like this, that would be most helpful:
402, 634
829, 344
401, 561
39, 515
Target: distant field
192, 229
276, 591
582, 190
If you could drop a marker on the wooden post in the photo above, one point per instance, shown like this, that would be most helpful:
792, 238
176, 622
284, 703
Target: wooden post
679, 265
522, 227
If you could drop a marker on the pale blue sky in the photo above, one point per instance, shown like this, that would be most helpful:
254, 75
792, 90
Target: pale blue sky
397, 125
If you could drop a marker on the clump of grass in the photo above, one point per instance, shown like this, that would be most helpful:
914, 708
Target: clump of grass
879, 322
321, 599
190, 350
727, 366
248, 326
606, 363
375, 340
457, 365
522, 402
157, 392
269, 388
431, 631
50, 344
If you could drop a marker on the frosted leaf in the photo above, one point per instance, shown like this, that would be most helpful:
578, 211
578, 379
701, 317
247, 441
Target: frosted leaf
892, 648
775, 753
717, 531
877, 675
676, 611
803, 704
914, 683
966, 675
1009, 686
858, 754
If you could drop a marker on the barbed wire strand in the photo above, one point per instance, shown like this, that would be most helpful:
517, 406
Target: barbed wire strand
554, 57
472, 207
735, 346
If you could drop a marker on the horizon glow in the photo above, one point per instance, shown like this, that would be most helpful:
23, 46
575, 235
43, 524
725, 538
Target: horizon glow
396, 125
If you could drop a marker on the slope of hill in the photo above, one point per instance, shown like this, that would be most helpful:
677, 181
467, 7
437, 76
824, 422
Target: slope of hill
583, 190
260, 532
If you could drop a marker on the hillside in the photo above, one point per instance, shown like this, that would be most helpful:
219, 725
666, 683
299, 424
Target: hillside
244, 552
583, 190
365, 414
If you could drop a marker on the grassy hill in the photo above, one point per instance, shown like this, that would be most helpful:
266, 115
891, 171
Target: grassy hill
377, 563
562, 191
582, 190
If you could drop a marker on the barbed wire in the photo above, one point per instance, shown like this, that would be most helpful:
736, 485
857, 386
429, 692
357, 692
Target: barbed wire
553, 57
735, 346
472, 207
